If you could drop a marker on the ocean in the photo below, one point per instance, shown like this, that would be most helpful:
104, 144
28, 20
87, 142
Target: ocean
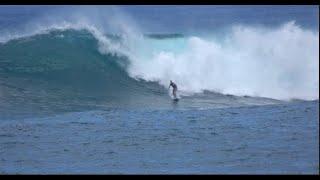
84, 89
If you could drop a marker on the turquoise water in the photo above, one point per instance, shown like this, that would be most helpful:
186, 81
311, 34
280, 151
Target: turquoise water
50, 74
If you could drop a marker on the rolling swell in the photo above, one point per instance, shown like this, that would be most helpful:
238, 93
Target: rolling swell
63, 71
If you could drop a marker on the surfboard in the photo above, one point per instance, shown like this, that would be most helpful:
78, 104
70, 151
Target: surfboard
174, 99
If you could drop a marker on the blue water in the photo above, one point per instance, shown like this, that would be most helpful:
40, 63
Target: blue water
273, 139
85, 89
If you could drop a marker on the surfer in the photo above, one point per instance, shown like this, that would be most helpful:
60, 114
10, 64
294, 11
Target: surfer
175, 88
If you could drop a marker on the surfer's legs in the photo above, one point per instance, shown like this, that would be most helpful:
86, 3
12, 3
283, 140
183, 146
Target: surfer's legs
174, 93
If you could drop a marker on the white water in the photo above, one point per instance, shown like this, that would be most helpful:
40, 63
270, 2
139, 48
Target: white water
281, 63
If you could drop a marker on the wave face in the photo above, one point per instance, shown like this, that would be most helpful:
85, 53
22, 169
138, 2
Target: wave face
78, 62
66, 68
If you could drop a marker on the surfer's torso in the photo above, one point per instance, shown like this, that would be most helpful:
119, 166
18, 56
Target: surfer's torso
173, 85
